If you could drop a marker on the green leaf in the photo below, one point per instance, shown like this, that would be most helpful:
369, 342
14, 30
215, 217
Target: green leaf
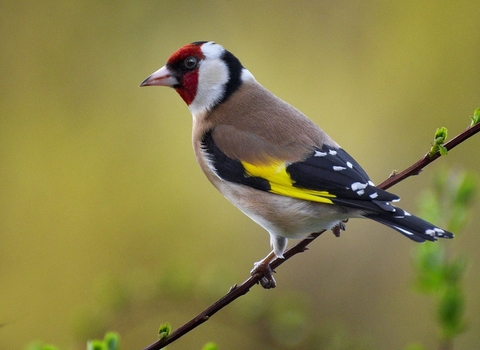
443, 151
438, 141
110, 342
441, 135
476, 117
164, 330
95, 345
210, 346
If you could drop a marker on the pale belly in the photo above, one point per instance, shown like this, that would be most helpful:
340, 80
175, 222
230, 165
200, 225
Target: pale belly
285, 216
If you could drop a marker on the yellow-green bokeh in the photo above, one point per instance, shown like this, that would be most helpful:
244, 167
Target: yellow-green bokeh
100, 193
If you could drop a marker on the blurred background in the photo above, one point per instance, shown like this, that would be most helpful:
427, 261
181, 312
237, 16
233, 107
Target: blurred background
107, 223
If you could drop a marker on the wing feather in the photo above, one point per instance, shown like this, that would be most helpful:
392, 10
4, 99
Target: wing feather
326, 175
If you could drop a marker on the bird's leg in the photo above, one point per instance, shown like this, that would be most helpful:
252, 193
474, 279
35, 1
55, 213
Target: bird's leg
262, 268
339, 227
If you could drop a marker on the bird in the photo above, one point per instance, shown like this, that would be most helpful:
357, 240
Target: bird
270, 160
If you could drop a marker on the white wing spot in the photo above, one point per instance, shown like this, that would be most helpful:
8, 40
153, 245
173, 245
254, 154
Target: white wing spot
338, 168
439, 232
320, 154
358, 186
371, 183
360, 192
350, 165
430, 232
374, 195
332, 152
407, 213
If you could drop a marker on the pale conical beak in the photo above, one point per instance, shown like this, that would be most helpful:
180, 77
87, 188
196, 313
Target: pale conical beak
162, 77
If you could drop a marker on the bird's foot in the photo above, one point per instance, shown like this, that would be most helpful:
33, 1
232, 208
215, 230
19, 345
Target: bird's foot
263, 269
339, 227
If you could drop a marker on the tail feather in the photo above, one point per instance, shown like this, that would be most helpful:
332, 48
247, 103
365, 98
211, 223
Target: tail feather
410, 226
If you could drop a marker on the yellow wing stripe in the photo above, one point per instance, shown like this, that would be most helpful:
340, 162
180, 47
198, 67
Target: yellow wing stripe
281, 183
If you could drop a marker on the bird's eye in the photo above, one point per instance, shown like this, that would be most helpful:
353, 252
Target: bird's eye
190, 62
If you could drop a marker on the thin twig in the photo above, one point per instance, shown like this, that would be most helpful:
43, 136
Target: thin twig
237, 291
427, 159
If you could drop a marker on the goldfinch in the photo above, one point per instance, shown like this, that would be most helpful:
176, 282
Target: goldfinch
269, 159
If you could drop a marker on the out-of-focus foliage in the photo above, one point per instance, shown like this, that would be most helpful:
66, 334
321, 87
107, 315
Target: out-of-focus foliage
440, 274
111, 341
40, 346
210, 346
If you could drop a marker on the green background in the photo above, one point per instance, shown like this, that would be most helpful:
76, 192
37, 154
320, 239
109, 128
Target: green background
100, 193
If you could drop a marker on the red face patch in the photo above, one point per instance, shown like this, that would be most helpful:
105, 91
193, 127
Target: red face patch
184, 52
188, 89
188, 78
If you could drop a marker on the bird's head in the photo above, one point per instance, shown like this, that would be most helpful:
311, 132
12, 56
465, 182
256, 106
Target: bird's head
203, 73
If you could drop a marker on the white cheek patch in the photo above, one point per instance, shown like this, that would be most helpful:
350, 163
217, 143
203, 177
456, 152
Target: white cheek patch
212, 77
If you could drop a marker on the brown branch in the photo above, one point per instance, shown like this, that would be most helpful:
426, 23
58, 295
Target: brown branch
416, 168
237, 291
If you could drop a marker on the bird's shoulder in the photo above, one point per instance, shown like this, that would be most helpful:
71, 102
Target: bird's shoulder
253, 124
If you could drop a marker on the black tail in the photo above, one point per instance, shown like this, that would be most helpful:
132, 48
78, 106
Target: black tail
410, 226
